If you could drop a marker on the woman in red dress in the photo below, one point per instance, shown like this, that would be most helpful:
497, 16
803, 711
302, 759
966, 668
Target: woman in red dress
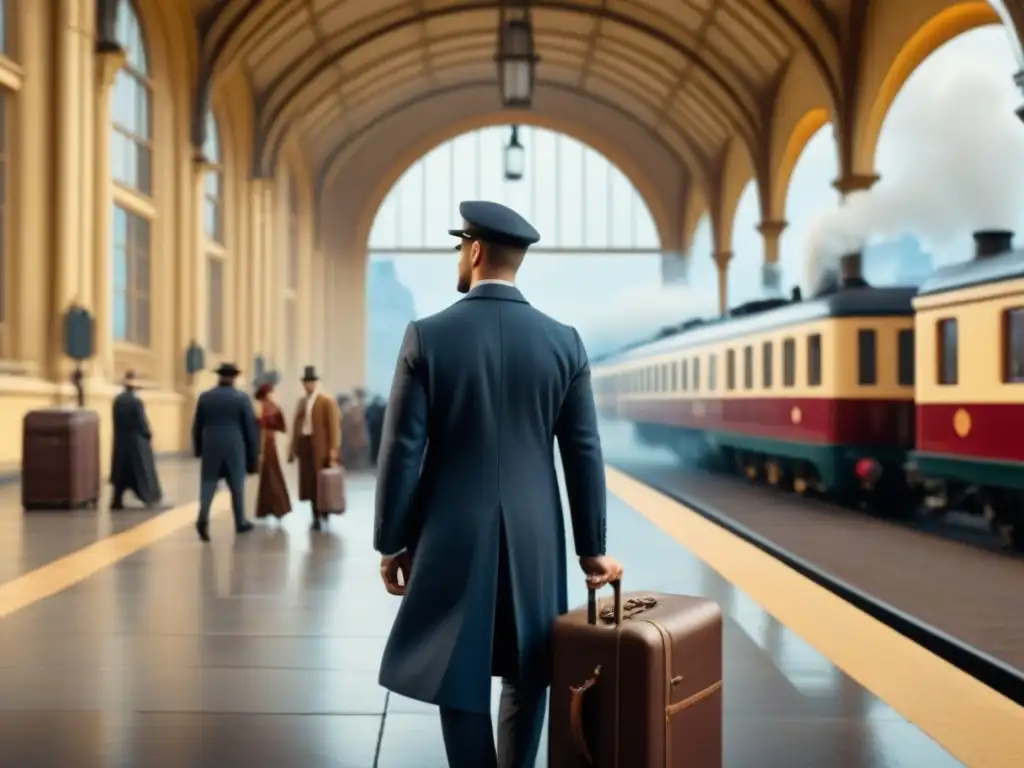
272, 497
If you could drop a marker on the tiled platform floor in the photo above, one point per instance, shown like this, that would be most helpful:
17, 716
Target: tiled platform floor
263, 651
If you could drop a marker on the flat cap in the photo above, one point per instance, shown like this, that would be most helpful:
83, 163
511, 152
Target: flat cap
494, 223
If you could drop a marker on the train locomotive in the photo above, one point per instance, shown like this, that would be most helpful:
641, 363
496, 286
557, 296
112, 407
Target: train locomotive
826, 394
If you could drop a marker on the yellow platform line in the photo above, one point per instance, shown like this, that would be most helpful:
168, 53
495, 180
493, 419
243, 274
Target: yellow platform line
71, 569
974, 723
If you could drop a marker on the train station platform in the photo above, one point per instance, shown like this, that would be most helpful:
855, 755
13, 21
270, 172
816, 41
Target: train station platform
126, 642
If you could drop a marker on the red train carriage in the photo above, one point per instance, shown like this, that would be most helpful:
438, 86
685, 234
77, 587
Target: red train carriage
815, 393
970, 389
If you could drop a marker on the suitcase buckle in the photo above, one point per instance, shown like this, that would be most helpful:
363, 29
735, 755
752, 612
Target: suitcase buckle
632, 607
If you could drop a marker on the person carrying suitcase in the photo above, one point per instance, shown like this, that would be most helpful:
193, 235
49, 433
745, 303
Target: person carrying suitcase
468, 515
225, 438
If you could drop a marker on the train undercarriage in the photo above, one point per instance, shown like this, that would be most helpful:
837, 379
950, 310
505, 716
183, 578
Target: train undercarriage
882, 483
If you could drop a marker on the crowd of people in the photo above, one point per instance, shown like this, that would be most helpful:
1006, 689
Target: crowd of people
233, 439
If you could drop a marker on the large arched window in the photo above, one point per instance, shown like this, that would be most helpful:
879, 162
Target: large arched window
291, 302
10, 86
213, 229
131, 168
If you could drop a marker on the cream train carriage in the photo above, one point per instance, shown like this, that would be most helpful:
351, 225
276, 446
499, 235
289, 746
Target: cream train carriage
970, 386
812, 393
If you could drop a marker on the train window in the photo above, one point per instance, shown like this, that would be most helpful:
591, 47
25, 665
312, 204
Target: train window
675, 375
664, 377
730, 369
712, 372
686, 375
789, 363
814, 360
696, 374
766, 364
867, 357
748, 367
905, 357
1014, 345
948, 358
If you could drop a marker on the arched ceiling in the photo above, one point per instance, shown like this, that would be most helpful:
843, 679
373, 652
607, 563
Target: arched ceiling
696, 72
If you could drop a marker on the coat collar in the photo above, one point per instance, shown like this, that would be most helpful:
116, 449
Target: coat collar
495, 290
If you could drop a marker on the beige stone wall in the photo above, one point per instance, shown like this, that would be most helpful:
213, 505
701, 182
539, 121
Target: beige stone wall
59, 215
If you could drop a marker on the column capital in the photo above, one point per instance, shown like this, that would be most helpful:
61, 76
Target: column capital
855, 182
201, 165
722, 258
109, 60
772, 229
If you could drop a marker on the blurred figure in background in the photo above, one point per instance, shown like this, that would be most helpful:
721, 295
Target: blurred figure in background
225, 437
353, 432
272, 496
374, 426
316, 434
133, 466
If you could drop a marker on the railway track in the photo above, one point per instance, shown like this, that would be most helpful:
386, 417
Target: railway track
948, 588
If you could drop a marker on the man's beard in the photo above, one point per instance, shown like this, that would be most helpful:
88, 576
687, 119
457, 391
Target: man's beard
463, 285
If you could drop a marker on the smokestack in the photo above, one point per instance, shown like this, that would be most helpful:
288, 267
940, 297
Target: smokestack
850, 275
992, 242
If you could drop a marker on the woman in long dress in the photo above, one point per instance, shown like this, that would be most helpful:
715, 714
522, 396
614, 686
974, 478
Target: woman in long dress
272, 497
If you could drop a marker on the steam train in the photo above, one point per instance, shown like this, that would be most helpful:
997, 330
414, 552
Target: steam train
861, 394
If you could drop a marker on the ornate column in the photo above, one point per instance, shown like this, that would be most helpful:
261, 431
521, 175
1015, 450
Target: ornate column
849, 183
722, 259
271, 317
109, 60
771, 273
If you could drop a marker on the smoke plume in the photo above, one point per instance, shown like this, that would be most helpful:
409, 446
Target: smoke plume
642, 313
955, 164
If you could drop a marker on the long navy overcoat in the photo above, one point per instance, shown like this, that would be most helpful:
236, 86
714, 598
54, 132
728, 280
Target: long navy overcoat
481, 392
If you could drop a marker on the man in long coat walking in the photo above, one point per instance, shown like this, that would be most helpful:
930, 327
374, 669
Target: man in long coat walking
468, 513
132, 465
316, 440
227, 441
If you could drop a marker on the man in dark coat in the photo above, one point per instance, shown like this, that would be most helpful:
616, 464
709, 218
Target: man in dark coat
468, 513
226, 439
374, 424
132, 465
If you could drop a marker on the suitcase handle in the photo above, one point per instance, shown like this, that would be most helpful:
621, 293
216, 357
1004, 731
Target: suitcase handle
592, 603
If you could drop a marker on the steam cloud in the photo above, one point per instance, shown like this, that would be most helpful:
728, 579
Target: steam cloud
959, 166
641, 313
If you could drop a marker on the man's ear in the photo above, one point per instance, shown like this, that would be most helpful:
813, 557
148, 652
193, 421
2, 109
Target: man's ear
476, 254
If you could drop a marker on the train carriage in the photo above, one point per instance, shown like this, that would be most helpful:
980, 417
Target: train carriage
815, 393
970, 388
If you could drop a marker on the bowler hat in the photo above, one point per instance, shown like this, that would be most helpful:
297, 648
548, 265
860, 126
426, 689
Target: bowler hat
227, 370
309, 374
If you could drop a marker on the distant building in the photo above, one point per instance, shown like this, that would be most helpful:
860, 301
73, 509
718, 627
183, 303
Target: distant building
389, 310
897, 262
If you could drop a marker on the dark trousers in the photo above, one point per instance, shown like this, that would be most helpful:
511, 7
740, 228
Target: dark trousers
207, 490
469, 736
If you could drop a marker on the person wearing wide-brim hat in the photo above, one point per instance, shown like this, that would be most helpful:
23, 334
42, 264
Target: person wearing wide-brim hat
225, 438
316, 440
133, 465
490, 382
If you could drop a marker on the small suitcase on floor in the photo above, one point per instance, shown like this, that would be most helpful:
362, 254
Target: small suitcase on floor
637, 684
330, 491
60, 459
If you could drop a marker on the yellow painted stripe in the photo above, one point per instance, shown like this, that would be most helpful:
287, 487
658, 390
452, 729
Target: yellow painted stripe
974, 723
79, 565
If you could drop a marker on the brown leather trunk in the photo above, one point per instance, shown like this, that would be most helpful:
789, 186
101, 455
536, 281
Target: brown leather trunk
60, 459
645, 692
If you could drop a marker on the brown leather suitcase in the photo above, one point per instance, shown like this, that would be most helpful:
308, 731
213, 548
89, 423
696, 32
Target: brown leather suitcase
330, 491
60, 459
637, 684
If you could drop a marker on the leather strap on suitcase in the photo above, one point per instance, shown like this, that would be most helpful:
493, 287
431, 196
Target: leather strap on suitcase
576, 703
